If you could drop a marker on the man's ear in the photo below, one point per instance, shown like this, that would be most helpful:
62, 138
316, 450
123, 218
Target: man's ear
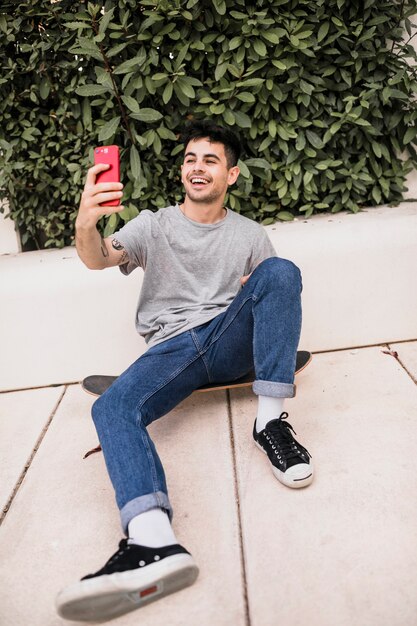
233, 175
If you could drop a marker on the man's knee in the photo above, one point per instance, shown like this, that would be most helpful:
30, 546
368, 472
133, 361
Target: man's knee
108, 406
98, 410
280, 271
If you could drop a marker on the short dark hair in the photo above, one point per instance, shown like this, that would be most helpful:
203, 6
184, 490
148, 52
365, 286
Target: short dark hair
200, 129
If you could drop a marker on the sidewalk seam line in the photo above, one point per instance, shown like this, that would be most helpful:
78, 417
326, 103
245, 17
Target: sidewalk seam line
31, 457
362, 346
398, 358
239, 518
53, 385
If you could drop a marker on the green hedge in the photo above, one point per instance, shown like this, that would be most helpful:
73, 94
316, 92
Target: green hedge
322, 92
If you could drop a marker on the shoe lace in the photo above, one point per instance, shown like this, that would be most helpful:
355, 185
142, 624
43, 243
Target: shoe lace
123, 547
279, 432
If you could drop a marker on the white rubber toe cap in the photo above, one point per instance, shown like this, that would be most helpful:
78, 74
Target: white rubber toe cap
296, 476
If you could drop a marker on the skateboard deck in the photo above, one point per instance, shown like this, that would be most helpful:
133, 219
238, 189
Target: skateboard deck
97, 384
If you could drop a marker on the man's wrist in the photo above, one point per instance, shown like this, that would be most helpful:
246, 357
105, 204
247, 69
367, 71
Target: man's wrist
82, 225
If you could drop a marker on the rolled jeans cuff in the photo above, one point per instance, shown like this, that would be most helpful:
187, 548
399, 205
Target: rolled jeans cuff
273, 389
139, 505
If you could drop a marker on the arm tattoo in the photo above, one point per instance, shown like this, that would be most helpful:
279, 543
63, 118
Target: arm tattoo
104, 250
118, 246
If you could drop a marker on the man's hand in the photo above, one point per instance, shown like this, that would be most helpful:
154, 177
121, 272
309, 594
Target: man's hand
93, 195
245, 279
96, 252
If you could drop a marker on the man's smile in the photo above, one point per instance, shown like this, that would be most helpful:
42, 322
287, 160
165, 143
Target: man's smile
198, 180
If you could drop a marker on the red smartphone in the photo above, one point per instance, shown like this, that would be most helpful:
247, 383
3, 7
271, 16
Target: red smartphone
110, 155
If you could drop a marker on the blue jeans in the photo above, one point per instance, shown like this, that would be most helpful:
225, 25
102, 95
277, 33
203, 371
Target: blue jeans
260, 329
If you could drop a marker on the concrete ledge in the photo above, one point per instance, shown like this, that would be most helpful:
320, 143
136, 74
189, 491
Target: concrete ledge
61, 322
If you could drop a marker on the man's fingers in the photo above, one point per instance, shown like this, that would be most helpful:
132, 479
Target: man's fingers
108, 210
100, 187
245, 279
98, 198
93, 171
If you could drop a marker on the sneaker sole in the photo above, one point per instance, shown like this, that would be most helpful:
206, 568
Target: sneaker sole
296, 483
108, 596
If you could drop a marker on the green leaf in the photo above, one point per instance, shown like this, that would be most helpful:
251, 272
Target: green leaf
361, 122
304, 34
314, 139
111, 225
308, 176
244, 170
105, 20
410, 134
220, 6
167, 93
91, 90
300, 142
259, 47
27, 135
279, 64
242, 119
377, 149
306, 87
44, 88
235, 42
77, 25
181, 56
271, 37
246, 96
109, 129
285, 216
376, 194
228, 117
160, 76
116, 50
250, 82
129, 65
323, 30
147, 115
186, 88
131, 103
135, 165
219, 72
258, 163
282, 132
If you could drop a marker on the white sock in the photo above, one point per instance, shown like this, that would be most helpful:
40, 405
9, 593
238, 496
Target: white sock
268, 409
152, 529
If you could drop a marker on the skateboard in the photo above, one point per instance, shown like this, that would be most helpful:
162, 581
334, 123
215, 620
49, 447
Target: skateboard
97, 384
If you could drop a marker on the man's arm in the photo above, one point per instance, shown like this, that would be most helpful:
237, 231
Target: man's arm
96, 252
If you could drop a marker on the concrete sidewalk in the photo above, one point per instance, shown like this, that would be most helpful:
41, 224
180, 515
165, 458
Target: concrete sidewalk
342, 552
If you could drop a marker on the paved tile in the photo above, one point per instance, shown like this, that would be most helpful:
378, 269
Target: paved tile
64, 523
342, 551
23, 416
407, 353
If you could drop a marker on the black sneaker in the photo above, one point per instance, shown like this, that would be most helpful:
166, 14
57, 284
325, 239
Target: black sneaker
290, 460
132, 577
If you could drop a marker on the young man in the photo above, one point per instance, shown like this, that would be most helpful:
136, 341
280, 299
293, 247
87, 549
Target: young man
216, 301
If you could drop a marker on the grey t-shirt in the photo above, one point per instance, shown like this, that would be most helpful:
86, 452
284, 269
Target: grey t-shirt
192, 270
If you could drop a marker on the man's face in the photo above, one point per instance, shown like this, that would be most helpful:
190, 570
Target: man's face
205, 173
